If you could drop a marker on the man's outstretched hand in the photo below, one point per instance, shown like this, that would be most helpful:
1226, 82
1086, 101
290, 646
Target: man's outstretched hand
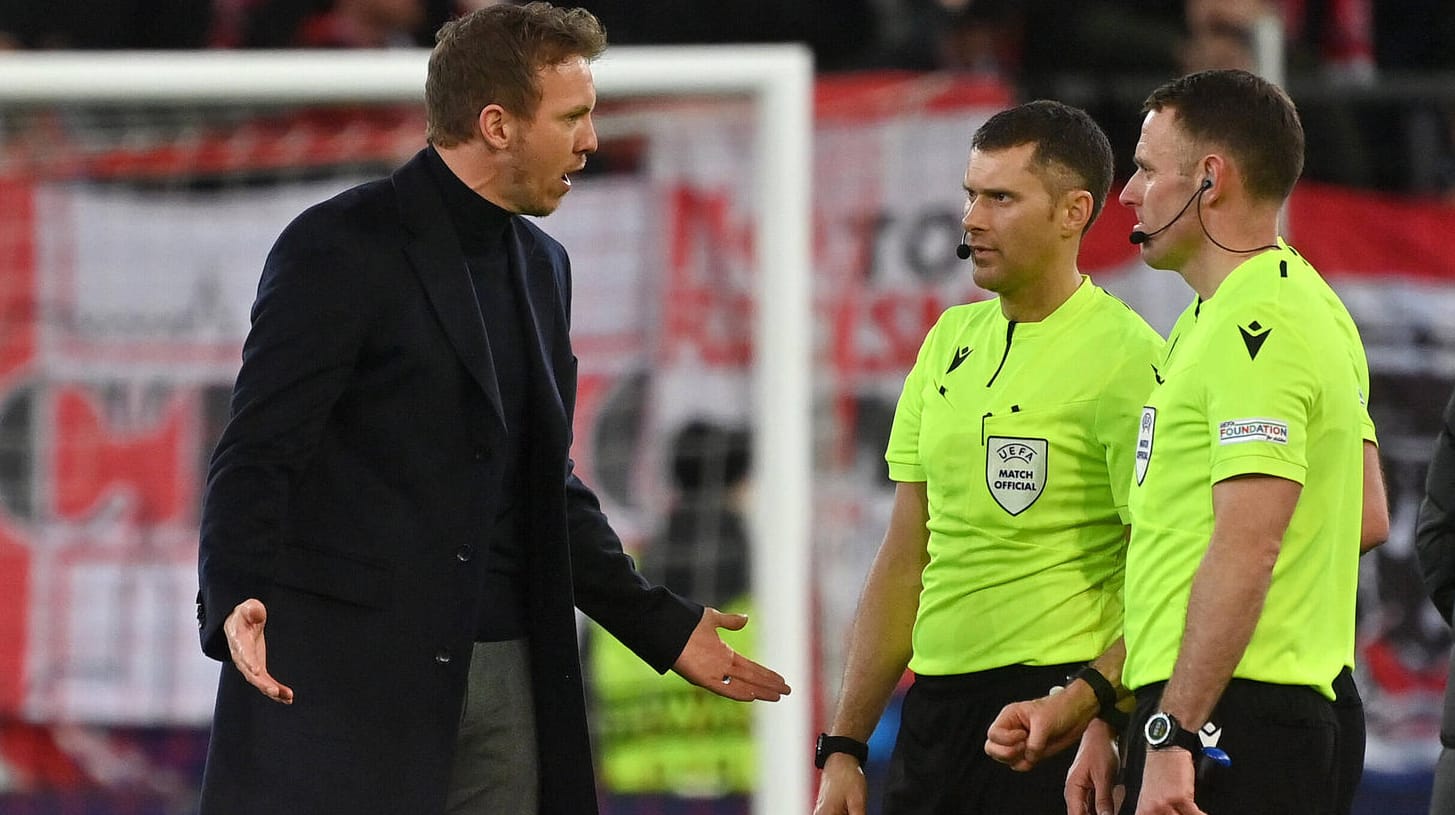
244, 631
708, 662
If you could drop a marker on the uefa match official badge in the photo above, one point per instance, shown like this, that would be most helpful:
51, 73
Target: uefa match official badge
1145, 431
1015, 471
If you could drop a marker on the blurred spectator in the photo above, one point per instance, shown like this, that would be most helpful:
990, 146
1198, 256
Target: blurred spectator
1338, 35
362, 24
704, 547
842, 33
328, 23
1220, 34
665, 747
1033, 42
104, 24
1331, 37
980, 37
334, 23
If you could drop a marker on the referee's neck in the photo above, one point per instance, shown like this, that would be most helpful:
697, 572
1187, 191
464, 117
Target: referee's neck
1206, 271
1035, 302
1223, 233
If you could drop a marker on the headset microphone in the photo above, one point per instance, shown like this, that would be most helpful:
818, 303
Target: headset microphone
1139, 237
963, 250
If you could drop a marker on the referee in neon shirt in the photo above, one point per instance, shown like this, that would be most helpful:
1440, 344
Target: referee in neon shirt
1249, 495
1012, 446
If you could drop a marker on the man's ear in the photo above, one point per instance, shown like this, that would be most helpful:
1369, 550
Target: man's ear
1076, 207
1216, 171
496, 126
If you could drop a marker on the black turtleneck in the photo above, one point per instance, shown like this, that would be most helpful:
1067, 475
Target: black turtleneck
482, 228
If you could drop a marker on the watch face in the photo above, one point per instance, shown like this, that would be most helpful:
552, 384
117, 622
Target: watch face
1159, 729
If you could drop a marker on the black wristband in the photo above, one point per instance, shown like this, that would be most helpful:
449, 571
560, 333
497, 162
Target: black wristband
1106, 696
828, 745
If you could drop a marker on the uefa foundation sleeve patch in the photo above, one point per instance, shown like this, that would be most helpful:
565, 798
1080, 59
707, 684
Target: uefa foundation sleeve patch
1238, 431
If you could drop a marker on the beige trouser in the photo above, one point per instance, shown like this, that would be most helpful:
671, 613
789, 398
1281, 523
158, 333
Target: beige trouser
496, 767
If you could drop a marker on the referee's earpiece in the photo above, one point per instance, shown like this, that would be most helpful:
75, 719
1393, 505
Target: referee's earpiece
1140, 236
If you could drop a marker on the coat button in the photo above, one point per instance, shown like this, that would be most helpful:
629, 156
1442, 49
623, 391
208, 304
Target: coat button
464, 553
442, 656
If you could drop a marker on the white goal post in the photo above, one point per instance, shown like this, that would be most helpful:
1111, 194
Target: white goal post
779, 80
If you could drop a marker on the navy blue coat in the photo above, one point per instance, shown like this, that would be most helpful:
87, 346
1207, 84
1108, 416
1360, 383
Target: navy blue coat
351, 492
1435, 546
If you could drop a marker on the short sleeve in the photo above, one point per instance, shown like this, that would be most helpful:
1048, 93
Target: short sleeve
1366, 422
903, 453
1260, 385
1117, 413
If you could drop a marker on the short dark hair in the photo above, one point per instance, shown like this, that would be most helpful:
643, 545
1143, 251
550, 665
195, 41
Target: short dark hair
1250, 117
491, 56
1072, 151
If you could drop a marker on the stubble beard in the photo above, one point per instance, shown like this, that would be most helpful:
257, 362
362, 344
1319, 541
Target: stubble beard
528, 201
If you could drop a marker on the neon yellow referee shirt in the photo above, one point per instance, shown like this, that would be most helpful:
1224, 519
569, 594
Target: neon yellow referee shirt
1267, 377
1023, 434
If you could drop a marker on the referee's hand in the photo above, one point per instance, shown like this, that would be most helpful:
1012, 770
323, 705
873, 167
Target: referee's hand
1091, 787
1026, 732
842, 789
244, 630
1167, 784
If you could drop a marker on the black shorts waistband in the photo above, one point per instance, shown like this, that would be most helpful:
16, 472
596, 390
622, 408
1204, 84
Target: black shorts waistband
995, 677
1243, 690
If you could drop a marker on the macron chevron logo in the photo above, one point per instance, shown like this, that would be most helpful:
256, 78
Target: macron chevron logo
1253, 337
960, 356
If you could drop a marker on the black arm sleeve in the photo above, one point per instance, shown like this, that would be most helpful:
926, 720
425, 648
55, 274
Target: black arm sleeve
306, 328
650, 620
1435, 533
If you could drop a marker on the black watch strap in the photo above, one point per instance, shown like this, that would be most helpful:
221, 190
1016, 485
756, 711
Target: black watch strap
1106, 697
828, 745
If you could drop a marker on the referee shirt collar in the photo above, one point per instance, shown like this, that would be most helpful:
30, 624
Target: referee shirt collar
1065, 314
1247, 272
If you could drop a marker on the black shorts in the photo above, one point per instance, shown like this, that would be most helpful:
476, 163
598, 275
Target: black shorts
939, 765
1282, 742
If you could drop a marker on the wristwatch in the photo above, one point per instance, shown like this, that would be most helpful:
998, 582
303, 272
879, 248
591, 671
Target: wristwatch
828, 745
1163, 731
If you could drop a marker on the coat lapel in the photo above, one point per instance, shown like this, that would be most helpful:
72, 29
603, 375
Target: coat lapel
435, 254
536, 288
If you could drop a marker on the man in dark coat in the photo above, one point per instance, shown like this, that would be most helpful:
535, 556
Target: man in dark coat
393, 497
1435, 545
